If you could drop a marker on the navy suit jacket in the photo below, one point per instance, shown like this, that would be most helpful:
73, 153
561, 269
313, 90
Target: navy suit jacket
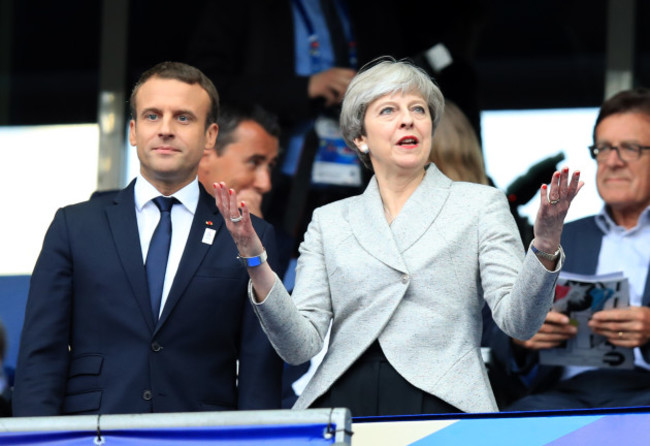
581, 240
90, 343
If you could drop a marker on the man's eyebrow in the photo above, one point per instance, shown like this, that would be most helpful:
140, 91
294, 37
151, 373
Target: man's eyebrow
259, 157
176, 112
150, 110
624, 141
184, 112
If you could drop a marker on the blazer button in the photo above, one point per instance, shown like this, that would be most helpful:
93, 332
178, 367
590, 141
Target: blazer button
147, 395
156, 347
405, 278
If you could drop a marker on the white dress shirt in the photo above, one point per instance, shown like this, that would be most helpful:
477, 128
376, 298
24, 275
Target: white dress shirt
148, 215
627, 250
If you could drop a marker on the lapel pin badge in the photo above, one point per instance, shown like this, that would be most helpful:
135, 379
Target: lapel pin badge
208, 236
209, 222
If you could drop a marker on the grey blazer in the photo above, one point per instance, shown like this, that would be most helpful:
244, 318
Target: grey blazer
418, 285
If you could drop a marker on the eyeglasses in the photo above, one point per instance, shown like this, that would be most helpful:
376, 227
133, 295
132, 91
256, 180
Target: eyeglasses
626, 151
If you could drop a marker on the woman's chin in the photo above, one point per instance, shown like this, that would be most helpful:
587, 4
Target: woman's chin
410, 161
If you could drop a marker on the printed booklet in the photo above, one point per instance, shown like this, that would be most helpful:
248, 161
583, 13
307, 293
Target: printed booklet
579, 296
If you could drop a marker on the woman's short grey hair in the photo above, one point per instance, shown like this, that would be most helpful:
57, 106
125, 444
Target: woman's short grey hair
379, 78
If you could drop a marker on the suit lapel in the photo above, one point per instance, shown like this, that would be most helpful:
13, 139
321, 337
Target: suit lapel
370, 228
586, 259
387, 243
124, 229
194, 252
421, 209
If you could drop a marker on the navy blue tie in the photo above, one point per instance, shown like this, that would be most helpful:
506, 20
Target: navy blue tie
156, 263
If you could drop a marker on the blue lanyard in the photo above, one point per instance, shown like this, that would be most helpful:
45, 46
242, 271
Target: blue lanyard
314, 45
346, 24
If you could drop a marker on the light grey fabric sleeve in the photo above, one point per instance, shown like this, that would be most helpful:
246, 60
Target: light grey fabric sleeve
519, 294
297, 329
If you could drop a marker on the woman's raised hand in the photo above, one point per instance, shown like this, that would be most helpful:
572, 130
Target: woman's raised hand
555, 200
238, 221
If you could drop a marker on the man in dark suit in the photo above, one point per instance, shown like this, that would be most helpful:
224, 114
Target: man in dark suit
616, 239
97, 338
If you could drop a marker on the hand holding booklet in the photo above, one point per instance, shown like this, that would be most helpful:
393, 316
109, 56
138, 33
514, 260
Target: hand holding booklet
579, 297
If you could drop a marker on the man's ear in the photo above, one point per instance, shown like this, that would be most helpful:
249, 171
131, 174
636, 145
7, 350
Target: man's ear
211, 136
132, 132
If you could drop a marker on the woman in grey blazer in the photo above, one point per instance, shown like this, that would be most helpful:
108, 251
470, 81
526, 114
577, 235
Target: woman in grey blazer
402, 271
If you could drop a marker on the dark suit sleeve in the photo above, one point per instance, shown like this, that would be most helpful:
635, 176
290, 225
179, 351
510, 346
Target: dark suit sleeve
43, 358
260, 368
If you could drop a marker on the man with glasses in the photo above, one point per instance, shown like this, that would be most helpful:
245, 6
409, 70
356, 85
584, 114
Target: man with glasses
616, 239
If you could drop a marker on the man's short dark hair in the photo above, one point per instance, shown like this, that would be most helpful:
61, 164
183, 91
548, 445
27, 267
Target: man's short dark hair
184, 73
627, 101
232, 116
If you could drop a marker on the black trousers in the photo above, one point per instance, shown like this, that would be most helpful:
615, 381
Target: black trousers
372, 387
